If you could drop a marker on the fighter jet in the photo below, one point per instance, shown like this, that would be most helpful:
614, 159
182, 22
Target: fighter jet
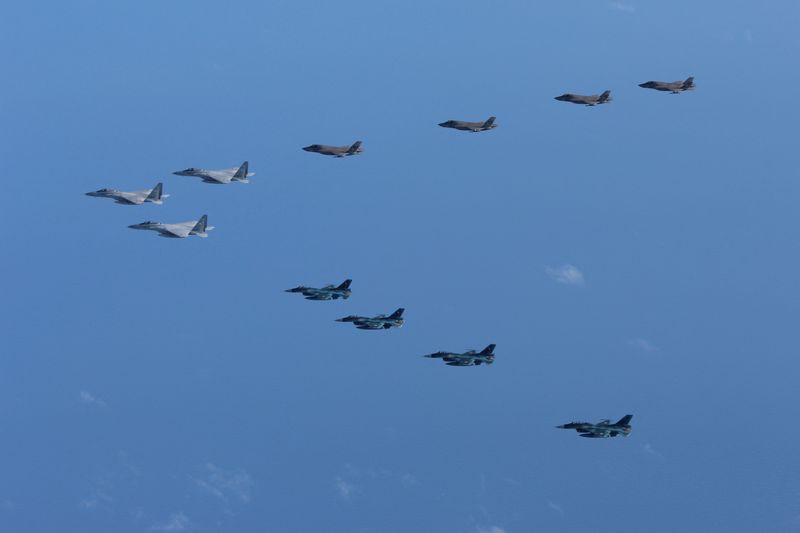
468, 358
226, 175
152, 196
335, 151
328, 292
602, 429
179, 230
470, 126
674, 87
592, 100
395, 320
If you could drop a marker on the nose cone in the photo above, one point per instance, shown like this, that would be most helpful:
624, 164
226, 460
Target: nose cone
561, 98
180, 173
93, 193
310, 148
444, 124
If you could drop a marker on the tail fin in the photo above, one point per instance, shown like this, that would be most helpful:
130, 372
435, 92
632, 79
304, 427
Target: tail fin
241, 174
345, 284
155, 194
397, 314
624, 421
606, 96
689, 82
353, 149
200, 227
489, 122
488, 350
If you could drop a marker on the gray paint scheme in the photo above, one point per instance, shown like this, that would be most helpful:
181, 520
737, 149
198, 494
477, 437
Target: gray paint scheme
474, 127
593, 100
178, 230
226, 175
395, 320
335, 151
673, 87
326, 293
153, 196
601, 430
468, 358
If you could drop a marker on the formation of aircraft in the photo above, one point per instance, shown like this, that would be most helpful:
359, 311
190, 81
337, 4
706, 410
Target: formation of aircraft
179, 230
328, 292
592, 100
226, 175
673, 87
395, 320
335, 151
153, 195
603, 429
475, 127
468, 358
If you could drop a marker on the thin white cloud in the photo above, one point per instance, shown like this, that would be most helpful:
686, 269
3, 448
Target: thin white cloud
621, 6
555, 507
490, 529
88, 399
566, 274
648, 449
345, 489
175, 522
643, 345
223, 483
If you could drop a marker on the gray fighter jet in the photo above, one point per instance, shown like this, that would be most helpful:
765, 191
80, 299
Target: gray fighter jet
470, 126
335, 151
152, 196
395, 320
592, 100
178, 230
468, 358
602, 429
226, 175
328, 292
673, 87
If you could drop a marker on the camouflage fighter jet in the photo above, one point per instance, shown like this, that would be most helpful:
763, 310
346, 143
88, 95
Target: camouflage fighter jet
592, 100
395, 320
152, 196
468, 358
673, 87
328, 292
178, 230
470, 126
602, 429
335, 151
226, 175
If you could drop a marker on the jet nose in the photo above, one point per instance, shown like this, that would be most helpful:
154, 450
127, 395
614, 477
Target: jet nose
308, 148
91, 193
443, 124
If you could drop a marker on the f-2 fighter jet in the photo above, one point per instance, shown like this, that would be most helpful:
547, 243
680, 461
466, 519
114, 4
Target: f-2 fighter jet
395, 320
601, 430
673, 87
474, 127
179, 230
335, 151
328, 292
153, 195
226, 175
468, 358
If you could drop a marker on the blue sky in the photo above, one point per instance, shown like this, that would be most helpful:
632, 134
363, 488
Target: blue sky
150, 384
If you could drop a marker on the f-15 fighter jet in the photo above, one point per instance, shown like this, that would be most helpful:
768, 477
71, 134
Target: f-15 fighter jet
328, 292
395, 320
470, 126
673, 87
592, 100
602, 429
178, 230
468, 358
153, 195
226, 175
335, 151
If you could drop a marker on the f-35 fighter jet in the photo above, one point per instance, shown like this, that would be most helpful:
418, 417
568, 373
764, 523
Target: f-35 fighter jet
592, 100
602, 429
335, 151
226, 175
395, 320
328, 292
153, 195
179, 230
468, 358
470, 126
673, 87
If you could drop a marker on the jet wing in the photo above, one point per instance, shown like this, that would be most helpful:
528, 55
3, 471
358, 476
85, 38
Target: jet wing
136, 197
182, 229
